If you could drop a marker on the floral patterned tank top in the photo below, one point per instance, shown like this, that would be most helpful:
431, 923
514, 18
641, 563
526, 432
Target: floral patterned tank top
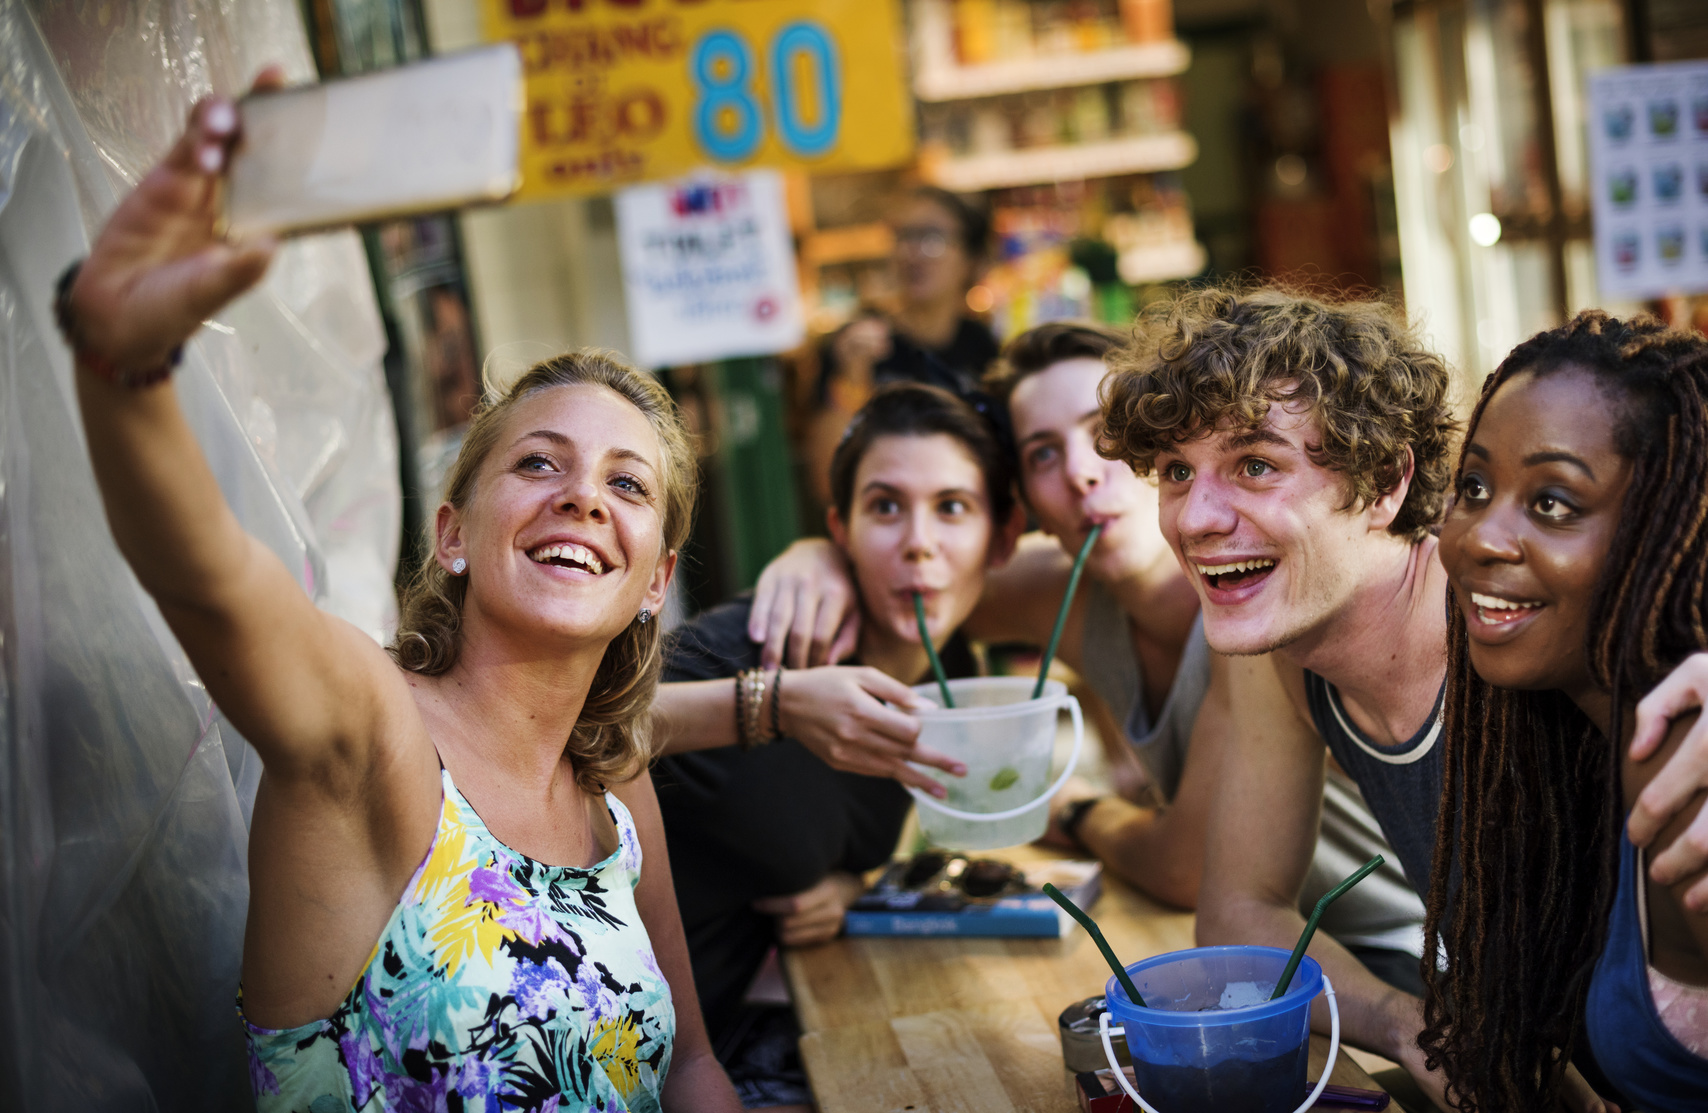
499, 983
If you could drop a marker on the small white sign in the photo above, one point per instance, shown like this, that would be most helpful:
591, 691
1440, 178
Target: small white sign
708, 268
1648, 162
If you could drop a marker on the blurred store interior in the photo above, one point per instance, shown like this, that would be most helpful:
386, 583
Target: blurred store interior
1432, 153
1436, 153
1425, 151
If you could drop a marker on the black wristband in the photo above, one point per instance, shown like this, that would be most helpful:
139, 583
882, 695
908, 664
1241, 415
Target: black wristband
777, 703
72, 331
1073, 814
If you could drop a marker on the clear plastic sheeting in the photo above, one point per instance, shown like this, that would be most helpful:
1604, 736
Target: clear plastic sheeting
123, 795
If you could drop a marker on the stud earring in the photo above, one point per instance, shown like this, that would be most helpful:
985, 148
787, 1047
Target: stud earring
459, 566
645, 616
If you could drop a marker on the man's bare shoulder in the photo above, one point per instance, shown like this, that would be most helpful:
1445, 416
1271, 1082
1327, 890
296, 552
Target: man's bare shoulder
1037, 555
1268, 683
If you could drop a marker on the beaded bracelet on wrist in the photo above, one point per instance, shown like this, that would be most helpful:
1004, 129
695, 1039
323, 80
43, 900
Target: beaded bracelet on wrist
750, 708
743, 698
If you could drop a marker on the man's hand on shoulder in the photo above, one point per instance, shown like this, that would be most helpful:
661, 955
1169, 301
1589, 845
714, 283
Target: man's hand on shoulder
805, 611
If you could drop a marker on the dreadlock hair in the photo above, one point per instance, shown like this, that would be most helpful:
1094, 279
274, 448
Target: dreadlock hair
1524, 866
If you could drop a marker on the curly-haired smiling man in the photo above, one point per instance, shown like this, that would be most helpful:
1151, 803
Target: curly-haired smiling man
1303, 449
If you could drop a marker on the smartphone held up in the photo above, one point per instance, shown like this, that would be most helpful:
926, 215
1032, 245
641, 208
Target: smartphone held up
436, 135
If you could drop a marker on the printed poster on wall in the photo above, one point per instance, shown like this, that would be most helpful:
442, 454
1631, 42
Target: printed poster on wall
625, 91
708, 268
1649, 167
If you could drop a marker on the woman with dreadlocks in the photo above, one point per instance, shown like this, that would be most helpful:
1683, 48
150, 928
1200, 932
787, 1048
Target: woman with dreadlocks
1577, 551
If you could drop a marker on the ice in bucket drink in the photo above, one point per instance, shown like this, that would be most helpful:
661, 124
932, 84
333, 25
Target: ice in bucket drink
1007, 739
1209, 1038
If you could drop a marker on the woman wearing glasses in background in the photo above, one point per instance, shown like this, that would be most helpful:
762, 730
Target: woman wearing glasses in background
927, 336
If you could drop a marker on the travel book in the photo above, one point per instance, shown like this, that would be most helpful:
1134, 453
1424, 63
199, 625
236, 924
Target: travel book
948, 894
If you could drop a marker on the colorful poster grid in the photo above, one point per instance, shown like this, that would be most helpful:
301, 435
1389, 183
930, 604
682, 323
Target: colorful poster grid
1649, 172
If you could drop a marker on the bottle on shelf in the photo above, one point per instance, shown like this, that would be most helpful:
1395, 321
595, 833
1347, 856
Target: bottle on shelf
1147, 21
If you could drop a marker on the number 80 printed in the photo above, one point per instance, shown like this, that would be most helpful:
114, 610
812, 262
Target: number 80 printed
727, 120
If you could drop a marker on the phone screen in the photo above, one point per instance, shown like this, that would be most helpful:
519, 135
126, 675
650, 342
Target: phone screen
431, 136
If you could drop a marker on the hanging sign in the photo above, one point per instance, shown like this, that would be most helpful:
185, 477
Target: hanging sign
708, 268
622, 91
1649, 170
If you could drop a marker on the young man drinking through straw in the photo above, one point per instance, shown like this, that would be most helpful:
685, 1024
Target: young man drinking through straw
1131, 633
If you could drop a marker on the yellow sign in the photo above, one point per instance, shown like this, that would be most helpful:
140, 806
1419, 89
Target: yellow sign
622, 91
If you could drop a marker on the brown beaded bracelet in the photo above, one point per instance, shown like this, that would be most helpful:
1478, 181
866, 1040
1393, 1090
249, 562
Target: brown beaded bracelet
750, 708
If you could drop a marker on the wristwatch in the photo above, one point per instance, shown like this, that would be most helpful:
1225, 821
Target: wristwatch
1073, 813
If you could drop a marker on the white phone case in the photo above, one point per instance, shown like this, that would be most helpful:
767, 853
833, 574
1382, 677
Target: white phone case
431, 136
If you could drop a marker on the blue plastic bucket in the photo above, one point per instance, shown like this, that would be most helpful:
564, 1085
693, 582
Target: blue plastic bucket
1192, 1053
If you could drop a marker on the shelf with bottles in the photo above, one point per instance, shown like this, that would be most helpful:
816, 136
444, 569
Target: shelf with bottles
1074, 250
965, 49
1059, 135
1063, 164
1021, 75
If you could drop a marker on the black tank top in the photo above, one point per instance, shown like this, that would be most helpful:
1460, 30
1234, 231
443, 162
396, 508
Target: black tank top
1401, 784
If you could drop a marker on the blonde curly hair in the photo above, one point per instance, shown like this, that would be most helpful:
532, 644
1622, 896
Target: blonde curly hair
611, 742
1218, 357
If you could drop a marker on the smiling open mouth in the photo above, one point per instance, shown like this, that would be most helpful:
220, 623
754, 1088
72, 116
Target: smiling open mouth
568, 556
1495, 611
1224, 577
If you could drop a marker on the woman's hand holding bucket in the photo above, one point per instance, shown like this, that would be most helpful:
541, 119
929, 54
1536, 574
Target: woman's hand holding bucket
855, 719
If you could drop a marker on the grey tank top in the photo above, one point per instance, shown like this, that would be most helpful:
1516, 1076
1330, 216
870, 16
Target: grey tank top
1383, 911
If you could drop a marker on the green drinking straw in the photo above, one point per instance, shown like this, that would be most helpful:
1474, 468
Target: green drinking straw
1091, 929
931, 651
1067, 602
1329, 898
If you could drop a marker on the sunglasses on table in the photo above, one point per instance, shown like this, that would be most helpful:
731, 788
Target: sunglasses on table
937, 881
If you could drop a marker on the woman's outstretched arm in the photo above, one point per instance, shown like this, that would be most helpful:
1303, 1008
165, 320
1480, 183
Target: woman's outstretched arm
849, 716
298, 683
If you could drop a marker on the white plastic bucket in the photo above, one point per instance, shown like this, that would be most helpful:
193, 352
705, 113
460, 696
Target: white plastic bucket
1007, 740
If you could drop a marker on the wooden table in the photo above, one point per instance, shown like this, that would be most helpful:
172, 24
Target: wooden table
950, 1025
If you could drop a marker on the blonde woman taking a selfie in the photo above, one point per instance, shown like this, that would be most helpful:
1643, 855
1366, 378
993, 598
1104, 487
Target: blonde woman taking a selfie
459, 895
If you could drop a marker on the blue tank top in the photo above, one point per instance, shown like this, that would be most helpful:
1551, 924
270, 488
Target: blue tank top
1401, 784
1631, 1045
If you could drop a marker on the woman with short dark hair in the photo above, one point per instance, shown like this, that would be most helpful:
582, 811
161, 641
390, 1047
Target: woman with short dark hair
1132, 635
767, 841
